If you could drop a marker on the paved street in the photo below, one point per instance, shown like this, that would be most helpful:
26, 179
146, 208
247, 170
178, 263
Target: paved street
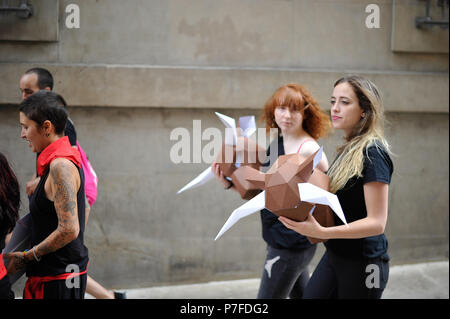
416, 281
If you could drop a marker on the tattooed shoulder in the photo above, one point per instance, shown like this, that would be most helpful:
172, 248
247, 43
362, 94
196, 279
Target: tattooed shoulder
64, 184
63, 169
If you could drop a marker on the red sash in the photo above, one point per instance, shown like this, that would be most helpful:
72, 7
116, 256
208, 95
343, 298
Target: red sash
61, 148
34, 287
2, 267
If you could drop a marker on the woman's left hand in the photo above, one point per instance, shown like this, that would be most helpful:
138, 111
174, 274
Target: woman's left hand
310, 227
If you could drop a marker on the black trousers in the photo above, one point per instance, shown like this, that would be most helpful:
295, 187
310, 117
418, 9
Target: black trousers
343, 278
58, 289
5, 289
285, 273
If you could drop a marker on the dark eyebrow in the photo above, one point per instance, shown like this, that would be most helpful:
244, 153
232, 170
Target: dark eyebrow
342, 97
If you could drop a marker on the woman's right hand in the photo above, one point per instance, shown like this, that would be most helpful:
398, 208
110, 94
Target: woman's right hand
215, 167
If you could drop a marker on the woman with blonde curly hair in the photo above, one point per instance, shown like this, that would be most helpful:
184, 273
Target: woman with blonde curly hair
356, 262
300, 122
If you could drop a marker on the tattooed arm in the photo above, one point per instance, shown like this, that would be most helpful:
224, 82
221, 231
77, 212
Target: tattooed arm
63, 184
61, 187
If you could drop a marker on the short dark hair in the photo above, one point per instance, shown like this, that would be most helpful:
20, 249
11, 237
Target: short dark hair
44, 77
46, 105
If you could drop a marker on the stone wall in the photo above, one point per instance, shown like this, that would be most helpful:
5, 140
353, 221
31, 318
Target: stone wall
136, 70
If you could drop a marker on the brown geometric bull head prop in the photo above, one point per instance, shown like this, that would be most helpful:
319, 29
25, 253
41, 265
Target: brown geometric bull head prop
238, 151
292, 188
234, 160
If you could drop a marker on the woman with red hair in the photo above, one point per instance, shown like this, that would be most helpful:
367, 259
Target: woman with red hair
298, 118
300, 122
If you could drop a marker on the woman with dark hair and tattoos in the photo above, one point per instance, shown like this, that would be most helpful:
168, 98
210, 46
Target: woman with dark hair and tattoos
56, 265
9, 213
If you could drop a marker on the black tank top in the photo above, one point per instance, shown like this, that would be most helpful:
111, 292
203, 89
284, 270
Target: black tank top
274, 232
44, 222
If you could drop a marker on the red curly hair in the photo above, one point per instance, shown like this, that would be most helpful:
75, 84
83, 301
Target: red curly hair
315, 121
